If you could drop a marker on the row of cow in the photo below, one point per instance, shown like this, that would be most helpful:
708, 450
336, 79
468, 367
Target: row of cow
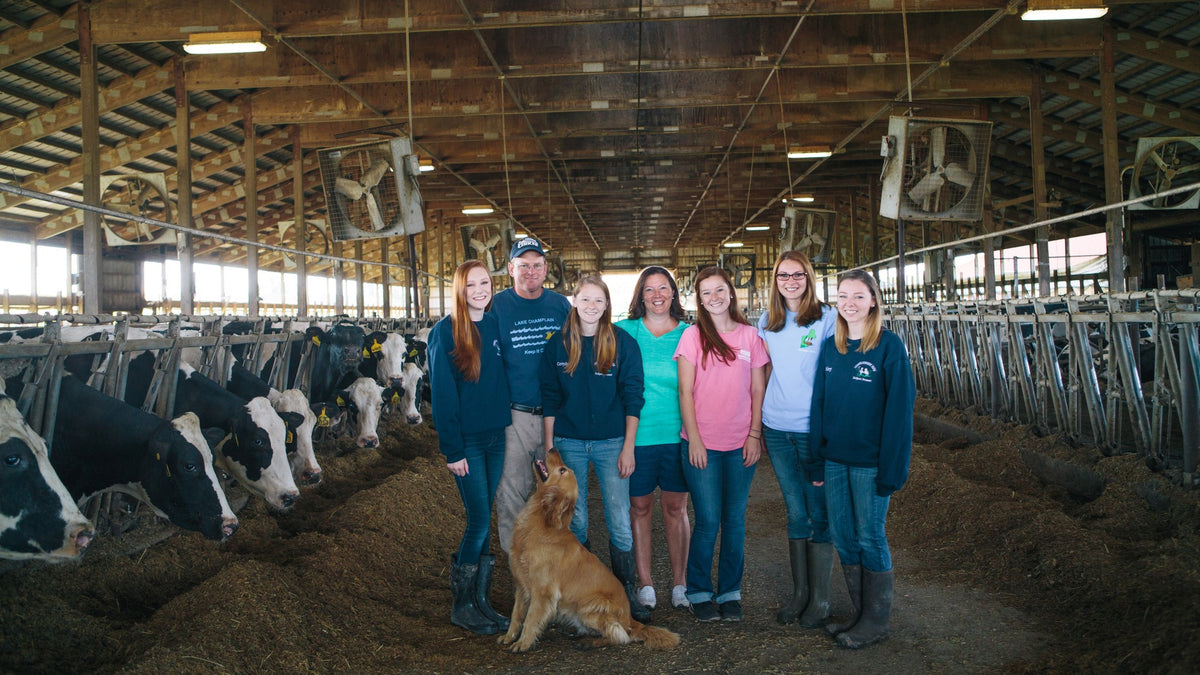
235, 424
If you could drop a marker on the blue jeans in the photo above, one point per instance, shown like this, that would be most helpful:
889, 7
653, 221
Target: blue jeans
615, 490
485, 461
807, 516
720, 492
857, 516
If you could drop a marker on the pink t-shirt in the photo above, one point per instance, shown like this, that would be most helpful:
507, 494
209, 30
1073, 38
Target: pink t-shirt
721, 392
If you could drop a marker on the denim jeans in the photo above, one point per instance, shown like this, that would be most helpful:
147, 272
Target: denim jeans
720, 492
807, 516
857, 516
485, 461
615, 490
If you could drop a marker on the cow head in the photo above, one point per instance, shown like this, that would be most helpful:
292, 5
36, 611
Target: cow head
300, 420
390, 356
411, 401
255, 455
38, 517
181, 483
343, 343
364, 399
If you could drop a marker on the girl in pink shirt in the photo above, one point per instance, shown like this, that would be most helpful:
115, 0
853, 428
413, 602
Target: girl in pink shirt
722, 380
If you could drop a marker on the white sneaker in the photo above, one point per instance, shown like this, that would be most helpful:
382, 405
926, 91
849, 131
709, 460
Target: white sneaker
646, 597
679, 597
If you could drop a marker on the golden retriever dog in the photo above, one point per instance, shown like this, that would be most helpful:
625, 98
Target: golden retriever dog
555, 576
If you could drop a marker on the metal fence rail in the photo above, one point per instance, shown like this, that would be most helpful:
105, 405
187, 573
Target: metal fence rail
1116, 370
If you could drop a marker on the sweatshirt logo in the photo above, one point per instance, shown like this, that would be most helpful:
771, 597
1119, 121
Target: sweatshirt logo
864, 371
809, 338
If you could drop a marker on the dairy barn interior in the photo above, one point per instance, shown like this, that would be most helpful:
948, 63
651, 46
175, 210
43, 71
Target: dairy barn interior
1026, 192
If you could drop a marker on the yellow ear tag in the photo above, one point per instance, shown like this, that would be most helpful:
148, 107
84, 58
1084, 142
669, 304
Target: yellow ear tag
322, 419
316, 340
395, 397
412, 352
291, 438
366, 353
376, 347
340, 402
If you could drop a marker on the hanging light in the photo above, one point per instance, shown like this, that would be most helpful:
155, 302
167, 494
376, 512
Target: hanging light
733, 244
231, 42
1062, 10
477, 210
809, 152
426, 165
757, 228
799, 199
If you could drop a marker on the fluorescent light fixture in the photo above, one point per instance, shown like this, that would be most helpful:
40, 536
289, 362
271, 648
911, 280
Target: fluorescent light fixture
809, 152
479, 210
235, 42
1063, 10
520, 235
757, 228
799, 198
732, 244
426, 165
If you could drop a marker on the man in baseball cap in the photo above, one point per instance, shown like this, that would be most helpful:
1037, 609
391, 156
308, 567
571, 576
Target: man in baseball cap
528, 315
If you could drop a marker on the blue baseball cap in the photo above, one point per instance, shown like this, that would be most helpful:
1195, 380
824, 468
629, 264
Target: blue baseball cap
524, 246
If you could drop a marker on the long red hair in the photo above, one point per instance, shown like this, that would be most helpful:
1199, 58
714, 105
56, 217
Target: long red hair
466, 335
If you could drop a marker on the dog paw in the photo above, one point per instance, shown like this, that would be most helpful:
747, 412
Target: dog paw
520, 647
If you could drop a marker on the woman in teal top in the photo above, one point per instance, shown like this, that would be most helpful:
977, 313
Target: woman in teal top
656, 322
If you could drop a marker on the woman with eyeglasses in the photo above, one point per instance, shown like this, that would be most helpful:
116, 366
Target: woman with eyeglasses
721, 363
656, 321
861, 429
794, 327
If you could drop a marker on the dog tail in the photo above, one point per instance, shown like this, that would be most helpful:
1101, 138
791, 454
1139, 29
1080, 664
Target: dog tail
653, 636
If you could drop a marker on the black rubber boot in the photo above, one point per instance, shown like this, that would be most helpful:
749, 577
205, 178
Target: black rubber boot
483, 588
625, 569
799, 559
463, 612
820, 569
853, 574
872, 626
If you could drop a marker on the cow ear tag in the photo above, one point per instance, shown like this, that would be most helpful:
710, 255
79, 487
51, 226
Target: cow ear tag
316, 340
322, 419
366, 353
412, 352
395, 397
291, 438
158, 456
376, 347
341, 403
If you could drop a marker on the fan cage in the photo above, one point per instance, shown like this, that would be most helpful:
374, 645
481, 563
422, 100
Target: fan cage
939, 170
397, 200
1163, 163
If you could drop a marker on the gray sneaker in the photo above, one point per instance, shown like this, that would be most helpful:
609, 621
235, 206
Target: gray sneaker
731, 610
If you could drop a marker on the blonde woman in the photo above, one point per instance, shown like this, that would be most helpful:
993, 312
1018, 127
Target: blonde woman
591, 379
861, 428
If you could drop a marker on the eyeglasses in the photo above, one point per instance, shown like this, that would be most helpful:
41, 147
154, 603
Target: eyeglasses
796, 276
526, 267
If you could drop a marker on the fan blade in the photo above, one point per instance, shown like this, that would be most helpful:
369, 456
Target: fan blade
349, 189
371, 178
956, 174
937, 140
928, 185
376, 215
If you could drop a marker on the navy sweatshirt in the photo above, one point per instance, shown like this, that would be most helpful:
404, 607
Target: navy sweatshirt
588, 406
525, 326
461, 407
862, 411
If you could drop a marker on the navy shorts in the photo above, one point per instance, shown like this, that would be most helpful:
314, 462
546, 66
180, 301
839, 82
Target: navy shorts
657, 466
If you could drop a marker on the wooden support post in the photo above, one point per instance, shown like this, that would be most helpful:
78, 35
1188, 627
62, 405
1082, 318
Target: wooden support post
360, 277
1037, 140
250, 183
183, 168
339, 280
385, 279
900, 290
89, 95
1110, 142
300, 228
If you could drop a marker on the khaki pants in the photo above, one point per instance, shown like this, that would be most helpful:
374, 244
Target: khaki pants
521, 438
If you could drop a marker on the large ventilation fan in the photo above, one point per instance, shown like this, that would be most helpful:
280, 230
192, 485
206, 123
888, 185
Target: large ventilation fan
935, 169
556, 274
371, 190
808, 231
490, 243
740, 267
1164, 163
143, 194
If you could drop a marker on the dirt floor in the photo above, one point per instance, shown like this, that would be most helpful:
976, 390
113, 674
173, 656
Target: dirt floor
997, 570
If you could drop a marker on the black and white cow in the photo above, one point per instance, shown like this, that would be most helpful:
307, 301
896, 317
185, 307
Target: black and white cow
253, 451
387, 359
247, 385
101, 442
38, 517
363, 399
